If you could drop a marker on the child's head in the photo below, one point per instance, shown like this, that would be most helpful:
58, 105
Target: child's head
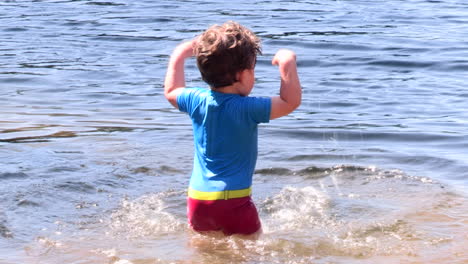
223, 51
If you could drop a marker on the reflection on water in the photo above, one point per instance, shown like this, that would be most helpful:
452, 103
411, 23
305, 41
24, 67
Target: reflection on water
95, 162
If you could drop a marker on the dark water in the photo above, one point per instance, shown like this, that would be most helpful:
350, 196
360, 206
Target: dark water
372, 168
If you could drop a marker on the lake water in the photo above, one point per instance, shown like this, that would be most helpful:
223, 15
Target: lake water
372, 168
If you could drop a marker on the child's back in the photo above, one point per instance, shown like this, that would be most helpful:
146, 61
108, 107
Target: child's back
225, 134
225, 123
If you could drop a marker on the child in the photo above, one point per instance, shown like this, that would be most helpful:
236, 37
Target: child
225, 120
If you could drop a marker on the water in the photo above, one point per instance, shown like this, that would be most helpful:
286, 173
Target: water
372, 168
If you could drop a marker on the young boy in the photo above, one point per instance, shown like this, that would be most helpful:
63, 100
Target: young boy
225, 120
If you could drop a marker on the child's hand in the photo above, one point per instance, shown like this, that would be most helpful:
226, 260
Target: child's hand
283, 57
185, 50
290, 91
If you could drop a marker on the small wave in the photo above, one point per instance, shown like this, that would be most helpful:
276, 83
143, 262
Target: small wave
16, 80
44, 138
274, 171
13, 175
363, 135
463, 67
403, 64
311, 170
314, 33
126, 38
15, 29
64, 168
4, 231
76, 186
27, 203
105, 4
164, 169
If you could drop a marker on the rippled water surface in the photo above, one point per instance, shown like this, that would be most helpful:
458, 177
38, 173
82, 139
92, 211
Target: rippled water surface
372, 168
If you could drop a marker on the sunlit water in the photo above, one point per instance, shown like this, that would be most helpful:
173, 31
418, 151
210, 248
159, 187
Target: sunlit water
372, 168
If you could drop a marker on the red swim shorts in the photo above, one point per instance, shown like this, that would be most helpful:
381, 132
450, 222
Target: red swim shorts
232, 216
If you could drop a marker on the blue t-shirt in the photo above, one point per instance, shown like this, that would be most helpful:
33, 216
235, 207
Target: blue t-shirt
225, 137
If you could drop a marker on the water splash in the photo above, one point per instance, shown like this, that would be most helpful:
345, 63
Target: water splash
146, 216
371, 218
362, 213
295, 208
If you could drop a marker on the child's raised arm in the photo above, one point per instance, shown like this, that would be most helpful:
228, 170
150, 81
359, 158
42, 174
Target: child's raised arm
290, 91
175, 76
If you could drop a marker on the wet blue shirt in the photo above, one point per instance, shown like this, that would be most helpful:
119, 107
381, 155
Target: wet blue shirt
225, 137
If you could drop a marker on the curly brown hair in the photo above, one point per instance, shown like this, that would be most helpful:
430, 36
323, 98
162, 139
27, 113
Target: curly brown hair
223, 51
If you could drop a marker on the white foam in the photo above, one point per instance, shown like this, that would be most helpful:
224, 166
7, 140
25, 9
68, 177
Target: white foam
147, 215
